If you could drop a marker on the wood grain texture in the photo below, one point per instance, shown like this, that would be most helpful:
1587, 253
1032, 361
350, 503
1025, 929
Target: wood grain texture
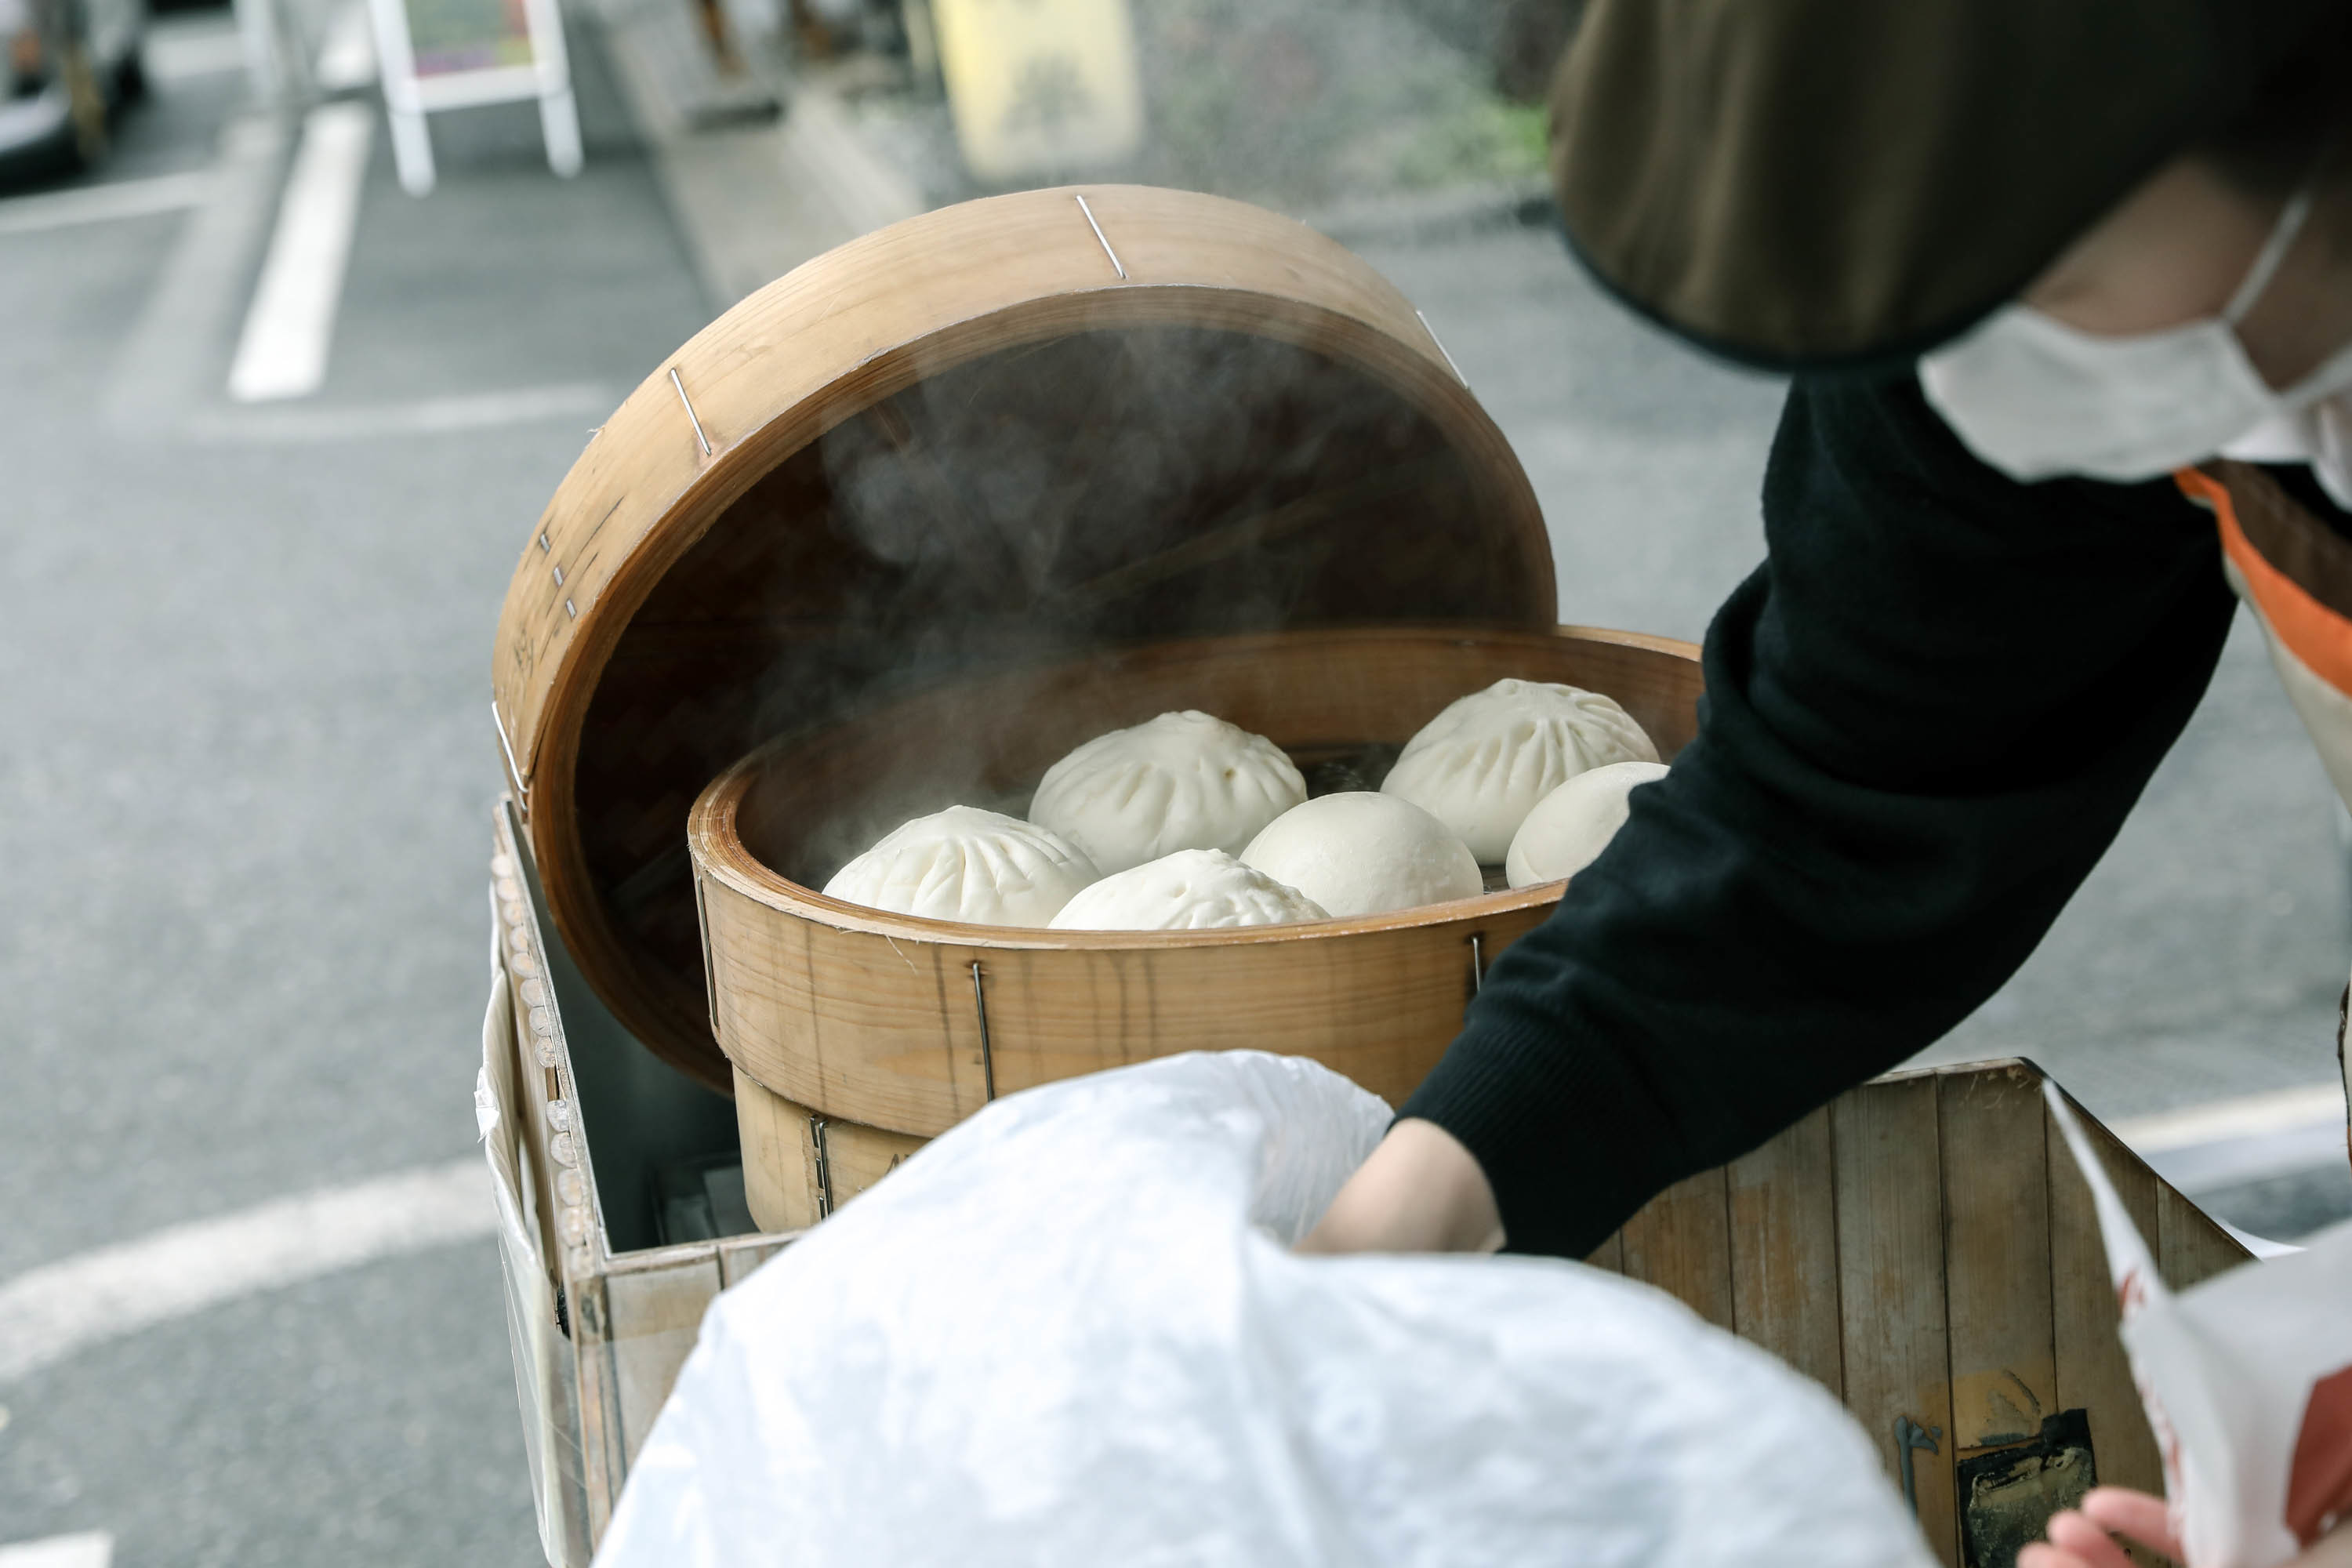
604, 1453
1610, 1255
785, 1182
779, 1186
1997, 1293
870, 1018
652, 1316
738, 1255
856, 1157
1373, 488
1784, 1250
2091, 1370
1680, 1241
2189, 1245
1890, 1225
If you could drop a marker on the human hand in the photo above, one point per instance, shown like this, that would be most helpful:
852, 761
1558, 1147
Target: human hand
1420, 1192
2082, 1539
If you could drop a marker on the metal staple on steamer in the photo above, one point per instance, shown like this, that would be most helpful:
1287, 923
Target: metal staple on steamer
523, 789
824, 1167
987, 1058
696, 420
1433, 338
1105, 241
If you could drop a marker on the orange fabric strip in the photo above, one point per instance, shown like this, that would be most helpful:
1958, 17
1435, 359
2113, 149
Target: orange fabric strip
2315, 633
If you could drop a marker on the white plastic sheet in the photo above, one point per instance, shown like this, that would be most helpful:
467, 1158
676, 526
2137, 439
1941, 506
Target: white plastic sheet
2247, 1380
1071, 1331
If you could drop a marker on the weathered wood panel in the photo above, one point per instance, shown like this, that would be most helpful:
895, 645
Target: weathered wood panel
2190, 1247
652, 1318
1784, 1267
1681, 1242
1610, 1255
1890, 1224
739, 1256
1997, 1256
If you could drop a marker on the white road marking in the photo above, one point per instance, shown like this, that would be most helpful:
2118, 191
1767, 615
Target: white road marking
51, 1313
586, 401
90, 1549
105, 202
168, 362
2222, 1143
283, 351
347, 59
182, 53
2251, 1116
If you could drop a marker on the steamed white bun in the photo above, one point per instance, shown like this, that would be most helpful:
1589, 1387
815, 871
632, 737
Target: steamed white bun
1570, 826
965, 864
1480, 766
1184, 781
1359, 853
1192, 889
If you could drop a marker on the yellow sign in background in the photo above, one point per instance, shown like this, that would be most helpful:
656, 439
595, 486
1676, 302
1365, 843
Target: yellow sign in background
1040, 87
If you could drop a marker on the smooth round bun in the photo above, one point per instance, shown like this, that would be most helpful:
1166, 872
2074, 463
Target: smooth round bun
1480, 766
1360, 854
1184, 781
965, 864
1570, 826
1192, 889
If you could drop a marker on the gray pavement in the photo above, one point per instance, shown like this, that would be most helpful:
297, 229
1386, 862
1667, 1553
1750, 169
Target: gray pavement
245, 775
244, 778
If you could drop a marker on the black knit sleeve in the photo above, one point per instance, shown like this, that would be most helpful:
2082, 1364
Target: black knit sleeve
1926, 716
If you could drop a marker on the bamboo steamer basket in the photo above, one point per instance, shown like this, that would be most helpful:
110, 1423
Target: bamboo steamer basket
994, 436
906, 1026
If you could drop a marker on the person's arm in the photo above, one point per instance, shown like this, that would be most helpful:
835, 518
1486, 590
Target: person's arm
1926, 717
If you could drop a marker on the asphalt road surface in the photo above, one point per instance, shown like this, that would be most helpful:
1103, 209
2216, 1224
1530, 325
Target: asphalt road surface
245, 775
246, 778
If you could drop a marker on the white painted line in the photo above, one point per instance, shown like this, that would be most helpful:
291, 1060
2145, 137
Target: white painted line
53, 1311
585, 401
185, 53
347, 59
2252, 1116
2223, 1144
2200, 1169
105, 202
90, 1549
169, 361
283, 351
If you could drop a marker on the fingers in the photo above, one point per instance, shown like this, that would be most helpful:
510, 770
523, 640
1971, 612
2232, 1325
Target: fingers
2040, 1555
2084, 1542
2132, 1513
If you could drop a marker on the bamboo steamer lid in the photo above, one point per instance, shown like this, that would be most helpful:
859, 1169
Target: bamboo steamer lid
994, 434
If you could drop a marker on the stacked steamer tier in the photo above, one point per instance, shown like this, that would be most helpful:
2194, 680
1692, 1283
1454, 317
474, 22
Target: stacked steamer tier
904, 527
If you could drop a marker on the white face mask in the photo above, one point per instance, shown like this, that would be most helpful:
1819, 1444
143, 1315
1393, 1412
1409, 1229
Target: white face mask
2038, 399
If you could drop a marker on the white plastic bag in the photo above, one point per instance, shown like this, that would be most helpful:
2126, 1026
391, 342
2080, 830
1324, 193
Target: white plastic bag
2247, 1381
1063, 1334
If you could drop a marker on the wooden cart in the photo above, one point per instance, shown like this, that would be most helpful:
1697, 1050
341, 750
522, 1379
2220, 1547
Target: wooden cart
1922, 1248
1225, 427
